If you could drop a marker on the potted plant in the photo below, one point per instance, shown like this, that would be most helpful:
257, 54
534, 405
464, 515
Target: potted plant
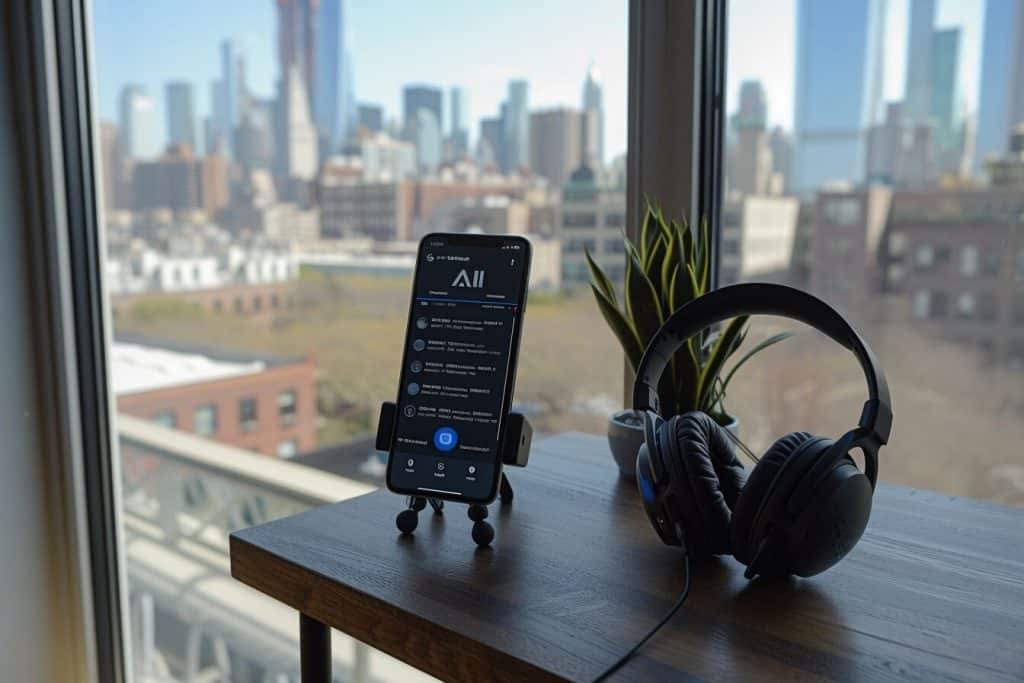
666, 268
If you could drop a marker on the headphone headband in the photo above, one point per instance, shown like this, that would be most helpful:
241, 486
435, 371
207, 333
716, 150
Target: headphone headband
763, 299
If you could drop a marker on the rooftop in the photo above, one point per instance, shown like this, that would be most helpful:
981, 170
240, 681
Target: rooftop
135, 368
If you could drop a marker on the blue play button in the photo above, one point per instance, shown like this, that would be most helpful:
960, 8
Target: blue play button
445, 439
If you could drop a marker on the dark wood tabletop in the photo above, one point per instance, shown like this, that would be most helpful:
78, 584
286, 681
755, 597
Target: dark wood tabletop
933, 592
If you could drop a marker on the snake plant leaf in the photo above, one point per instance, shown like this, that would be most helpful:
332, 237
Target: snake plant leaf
716, 359
761, 346
669, 272
687, 240
648, 227
642, 305
655, 258
599, 279
704, 274
621, 327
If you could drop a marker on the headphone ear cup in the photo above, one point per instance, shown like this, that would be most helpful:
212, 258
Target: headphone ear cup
751, 497
828, 528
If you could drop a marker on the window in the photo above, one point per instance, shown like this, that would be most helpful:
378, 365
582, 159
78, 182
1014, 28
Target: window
287, 448
167, 418
843, 212
966, 304
932, 272
615, 220
969, 261
470, 148
286, 406
924, 257
247, 417
205, 421
572, 219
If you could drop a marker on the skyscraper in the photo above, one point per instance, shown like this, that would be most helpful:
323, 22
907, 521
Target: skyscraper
138, 123
296, 40
919, 62
231, 93
459, 133
181, 114
946, 98
427, 138
296, 138
371, 117
752, 163
334, 102
517, 126
593, 125
416, 97
491, 145
838, 89
1001, 99
555, 143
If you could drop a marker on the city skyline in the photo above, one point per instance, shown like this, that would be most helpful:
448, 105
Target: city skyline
381, 69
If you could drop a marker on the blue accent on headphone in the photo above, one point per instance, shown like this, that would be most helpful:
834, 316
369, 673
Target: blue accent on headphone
646, 489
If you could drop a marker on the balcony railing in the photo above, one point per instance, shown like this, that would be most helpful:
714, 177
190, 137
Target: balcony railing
190, 620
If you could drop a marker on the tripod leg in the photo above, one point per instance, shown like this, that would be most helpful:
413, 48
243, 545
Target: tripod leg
437, 504
506, 490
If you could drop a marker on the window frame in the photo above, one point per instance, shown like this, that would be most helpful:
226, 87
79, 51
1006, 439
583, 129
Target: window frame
676, 118
50, 41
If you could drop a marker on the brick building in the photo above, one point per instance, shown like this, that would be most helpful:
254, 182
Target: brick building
262, 300
959, 257
265, 405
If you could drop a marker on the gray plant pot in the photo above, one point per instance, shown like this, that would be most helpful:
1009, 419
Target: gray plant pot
626, 435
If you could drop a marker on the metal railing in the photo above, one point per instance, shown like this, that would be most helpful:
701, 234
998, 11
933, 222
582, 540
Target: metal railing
182, 496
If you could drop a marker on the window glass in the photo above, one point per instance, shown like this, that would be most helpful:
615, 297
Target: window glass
247, 412
286, 405
889, 128
969, 261
205, 420
166, 419
287, 448
276, 162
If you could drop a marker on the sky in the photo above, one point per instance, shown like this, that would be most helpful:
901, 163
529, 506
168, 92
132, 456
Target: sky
479, 46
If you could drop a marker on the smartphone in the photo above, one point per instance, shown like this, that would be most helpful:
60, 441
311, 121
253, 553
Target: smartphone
459, 366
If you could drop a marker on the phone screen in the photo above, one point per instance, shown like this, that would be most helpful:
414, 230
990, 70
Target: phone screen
458, 366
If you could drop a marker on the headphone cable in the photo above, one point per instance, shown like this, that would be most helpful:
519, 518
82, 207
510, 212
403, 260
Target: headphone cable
664, 620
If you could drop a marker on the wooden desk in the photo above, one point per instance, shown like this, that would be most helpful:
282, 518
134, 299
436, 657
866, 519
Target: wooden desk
933, 592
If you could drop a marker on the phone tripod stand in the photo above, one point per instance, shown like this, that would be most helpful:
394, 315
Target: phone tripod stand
515, 453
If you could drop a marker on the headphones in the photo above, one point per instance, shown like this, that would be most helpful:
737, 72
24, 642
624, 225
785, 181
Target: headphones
806, 503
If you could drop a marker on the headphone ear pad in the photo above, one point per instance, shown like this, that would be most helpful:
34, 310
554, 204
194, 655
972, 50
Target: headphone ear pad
707, 479
753, 493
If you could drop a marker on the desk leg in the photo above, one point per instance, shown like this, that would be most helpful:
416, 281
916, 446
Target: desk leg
314, 650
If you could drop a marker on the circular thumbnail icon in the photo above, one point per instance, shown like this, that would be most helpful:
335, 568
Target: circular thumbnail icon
419, 345
416, 365
413, 388
410, 411
422, 323
445, 439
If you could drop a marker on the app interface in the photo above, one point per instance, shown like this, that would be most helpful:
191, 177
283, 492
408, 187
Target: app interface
466, 309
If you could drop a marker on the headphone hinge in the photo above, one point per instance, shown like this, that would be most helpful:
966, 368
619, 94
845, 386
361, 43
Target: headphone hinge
876, 419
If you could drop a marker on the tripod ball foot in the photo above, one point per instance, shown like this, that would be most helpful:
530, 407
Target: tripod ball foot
477, 513
407, 521
483, 533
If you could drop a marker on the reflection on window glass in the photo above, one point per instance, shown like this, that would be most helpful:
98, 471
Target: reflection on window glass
267, 169
894, 129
